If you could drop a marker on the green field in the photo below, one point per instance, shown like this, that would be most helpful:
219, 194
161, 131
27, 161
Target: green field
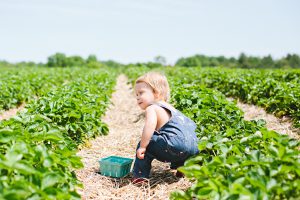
238, 159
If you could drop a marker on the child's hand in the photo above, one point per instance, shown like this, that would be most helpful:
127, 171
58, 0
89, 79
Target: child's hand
140, 153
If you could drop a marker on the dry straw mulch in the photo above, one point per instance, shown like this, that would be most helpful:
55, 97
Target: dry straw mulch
281, 125
125, 121
10, 113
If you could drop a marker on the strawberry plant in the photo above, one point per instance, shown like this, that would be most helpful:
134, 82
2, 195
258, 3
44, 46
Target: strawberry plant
38, 146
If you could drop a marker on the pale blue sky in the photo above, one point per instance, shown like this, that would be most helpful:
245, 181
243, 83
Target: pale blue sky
139, 30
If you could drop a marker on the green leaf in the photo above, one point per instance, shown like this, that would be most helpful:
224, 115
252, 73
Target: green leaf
50, 179
7, 135
25, 168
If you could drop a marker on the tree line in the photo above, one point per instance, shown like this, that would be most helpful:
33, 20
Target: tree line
243, 61
61, 60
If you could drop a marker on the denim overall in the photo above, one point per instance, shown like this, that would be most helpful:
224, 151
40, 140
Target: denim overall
174, 142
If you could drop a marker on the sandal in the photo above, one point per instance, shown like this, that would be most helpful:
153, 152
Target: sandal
139, 181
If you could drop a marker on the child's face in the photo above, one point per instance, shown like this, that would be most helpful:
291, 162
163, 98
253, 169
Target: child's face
144, 95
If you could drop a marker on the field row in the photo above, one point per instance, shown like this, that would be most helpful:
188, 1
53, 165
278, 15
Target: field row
20, 85
38, 147
277, 91
238, 159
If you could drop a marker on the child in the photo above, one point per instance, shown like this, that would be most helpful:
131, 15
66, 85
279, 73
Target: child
168, 135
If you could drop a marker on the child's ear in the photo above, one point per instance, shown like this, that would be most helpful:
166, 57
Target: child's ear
156, 94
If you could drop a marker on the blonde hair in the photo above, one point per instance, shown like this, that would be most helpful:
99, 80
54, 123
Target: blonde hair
158, 83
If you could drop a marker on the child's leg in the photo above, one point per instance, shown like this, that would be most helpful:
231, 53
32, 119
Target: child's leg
180, 162
175, 165
155, 150
142, 167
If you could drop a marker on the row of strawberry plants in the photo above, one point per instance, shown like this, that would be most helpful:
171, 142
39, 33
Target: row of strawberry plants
238, 159
20, 85
38, 147
277, 91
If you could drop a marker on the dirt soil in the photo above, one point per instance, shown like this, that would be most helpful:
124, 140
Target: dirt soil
125, 121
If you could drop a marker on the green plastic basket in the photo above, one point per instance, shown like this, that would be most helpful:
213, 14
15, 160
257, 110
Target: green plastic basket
115, 166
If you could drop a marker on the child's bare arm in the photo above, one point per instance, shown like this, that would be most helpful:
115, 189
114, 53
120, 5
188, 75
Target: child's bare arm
149, 128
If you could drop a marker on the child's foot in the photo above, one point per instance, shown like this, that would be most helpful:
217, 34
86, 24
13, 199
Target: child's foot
179, 174
139, 181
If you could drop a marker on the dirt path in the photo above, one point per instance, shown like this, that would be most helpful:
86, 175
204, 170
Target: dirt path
10, 113
283, 126
125, 121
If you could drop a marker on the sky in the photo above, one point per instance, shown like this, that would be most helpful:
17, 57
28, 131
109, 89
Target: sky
131, 31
